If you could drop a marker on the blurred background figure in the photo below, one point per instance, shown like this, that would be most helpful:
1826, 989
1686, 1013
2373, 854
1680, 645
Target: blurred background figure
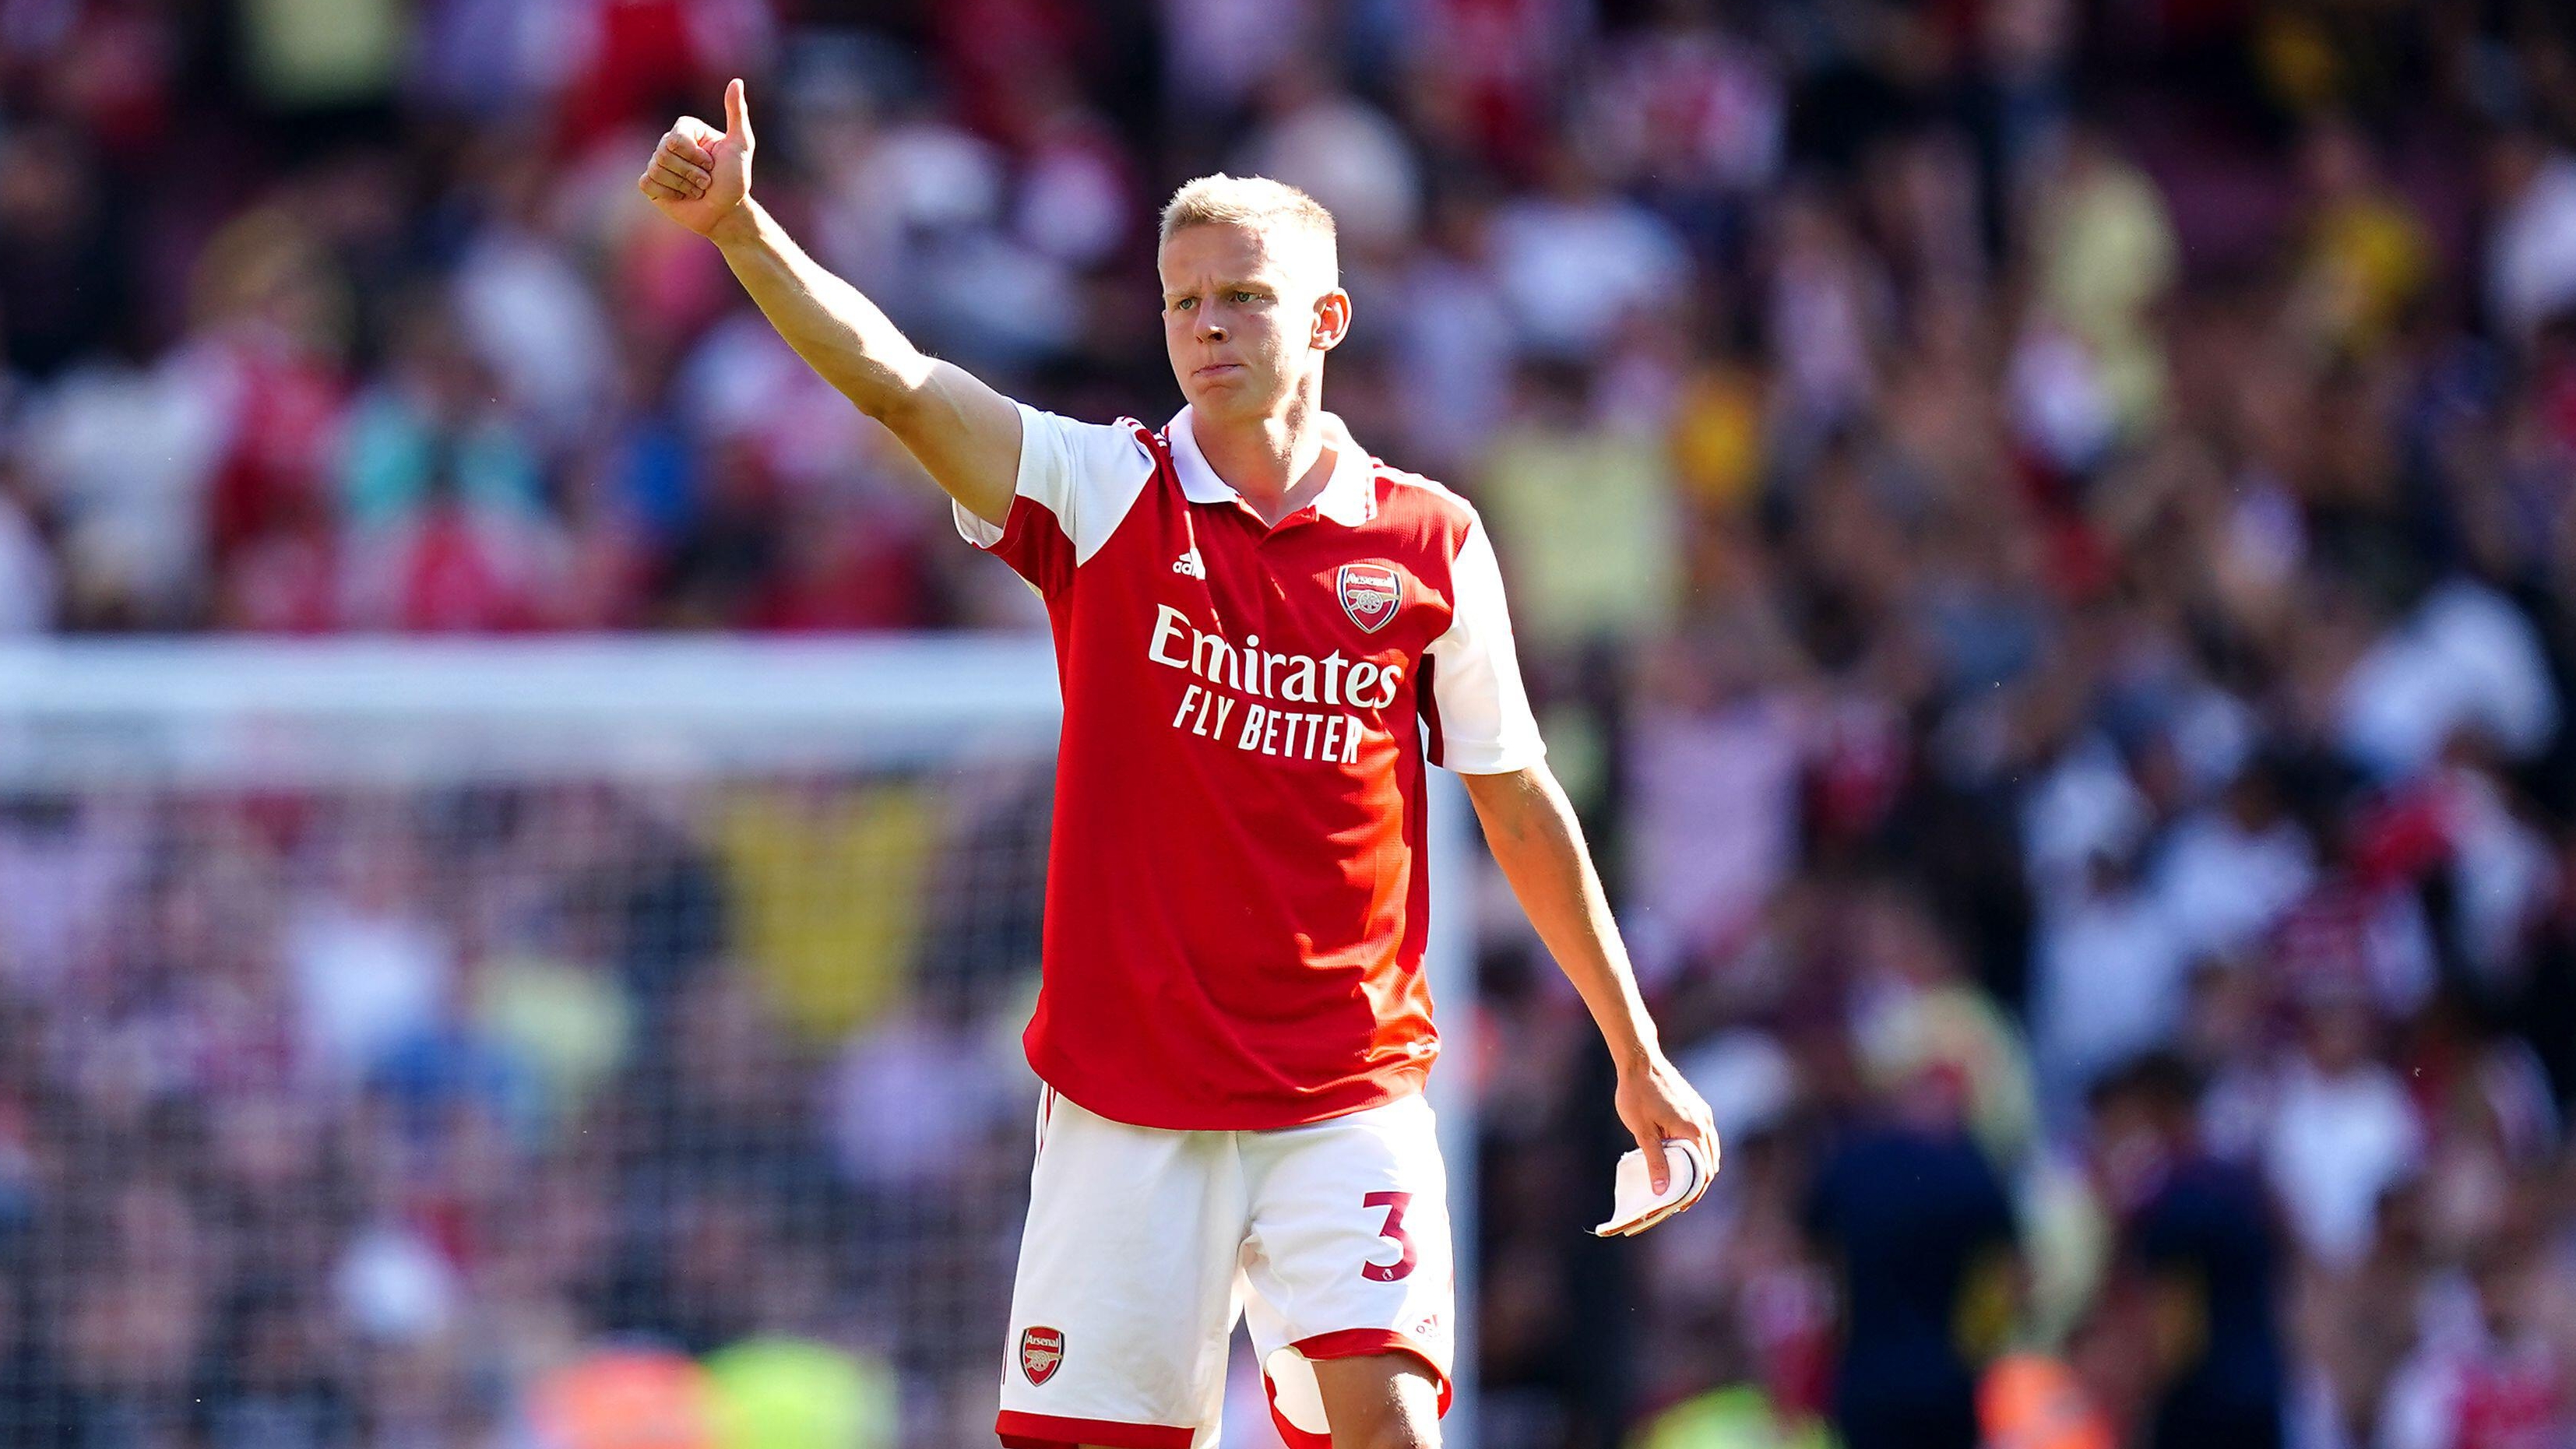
1914, 1221
2195, 1259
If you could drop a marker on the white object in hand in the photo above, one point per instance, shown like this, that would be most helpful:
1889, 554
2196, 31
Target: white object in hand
1635, 1205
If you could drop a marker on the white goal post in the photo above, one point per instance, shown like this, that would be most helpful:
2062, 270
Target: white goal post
488, 754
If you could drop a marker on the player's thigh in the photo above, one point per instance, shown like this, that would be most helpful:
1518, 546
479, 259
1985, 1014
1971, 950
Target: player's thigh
1125, 1289
1349, 1256
1380, 1401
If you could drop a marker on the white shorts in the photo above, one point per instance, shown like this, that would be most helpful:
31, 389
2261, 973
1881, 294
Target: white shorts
1143, 1246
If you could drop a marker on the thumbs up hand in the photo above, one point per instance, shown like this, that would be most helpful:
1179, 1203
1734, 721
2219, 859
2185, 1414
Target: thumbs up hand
700, 176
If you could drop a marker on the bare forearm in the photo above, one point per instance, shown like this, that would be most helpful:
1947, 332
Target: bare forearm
1539, 844
1535, 838
965, 435
842, 335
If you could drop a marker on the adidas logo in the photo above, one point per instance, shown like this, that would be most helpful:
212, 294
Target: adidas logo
1188, 565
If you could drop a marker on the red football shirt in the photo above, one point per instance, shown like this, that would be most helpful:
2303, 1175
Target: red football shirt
1236, 896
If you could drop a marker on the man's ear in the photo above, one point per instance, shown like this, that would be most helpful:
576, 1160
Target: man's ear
1332, 319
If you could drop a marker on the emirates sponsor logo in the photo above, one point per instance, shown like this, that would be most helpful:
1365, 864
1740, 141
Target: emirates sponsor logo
1248, 668
1244, 701
1041, 1353
1371, 593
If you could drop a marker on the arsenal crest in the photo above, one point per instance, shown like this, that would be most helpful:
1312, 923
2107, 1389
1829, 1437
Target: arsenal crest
1371, 593
1041, 1351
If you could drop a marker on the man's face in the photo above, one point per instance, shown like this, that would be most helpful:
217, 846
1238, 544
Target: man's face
1245, 314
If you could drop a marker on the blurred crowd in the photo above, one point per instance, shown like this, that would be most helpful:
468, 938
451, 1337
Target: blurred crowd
2043, 534
561, 1117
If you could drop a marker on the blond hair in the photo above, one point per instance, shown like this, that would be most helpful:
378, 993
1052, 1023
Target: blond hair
1256, 202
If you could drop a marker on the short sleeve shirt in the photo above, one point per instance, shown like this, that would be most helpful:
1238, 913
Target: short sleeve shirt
1236, 899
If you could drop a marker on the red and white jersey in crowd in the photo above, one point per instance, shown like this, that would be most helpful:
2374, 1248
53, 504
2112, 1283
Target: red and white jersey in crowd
1236, 896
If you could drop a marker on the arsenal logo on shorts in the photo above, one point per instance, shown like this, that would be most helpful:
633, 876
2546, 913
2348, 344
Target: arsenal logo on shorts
1041, 1351
1371, 593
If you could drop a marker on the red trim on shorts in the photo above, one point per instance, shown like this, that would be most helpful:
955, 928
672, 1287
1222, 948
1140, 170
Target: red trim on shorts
1290, 1434
1346, 1343
1048, 1431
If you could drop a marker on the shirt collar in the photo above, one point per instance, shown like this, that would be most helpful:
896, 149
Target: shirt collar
1348, 497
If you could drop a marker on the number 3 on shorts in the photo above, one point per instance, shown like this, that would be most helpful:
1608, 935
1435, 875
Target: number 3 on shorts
1395, 1203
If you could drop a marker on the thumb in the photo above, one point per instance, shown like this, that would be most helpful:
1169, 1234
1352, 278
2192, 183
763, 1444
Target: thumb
737, 112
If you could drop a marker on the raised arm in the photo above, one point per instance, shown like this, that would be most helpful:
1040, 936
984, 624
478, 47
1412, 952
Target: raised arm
965, 434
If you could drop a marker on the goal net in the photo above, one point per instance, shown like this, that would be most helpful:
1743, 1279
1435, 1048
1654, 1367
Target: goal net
564, 1043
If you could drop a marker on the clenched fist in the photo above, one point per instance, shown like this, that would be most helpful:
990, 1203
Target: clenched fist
698, 175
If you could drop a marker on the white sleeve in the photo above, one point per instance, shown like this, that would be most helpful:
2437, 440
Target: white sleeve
1087, 474
1484, 724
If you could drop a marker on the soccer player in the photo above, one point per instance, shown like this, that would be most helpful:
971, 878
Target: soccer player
1262, 635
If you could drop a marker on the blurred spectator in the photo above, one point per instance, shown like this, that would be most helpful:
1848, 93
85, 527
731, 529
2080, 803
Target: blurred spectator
2496, 1371
1577, 261
1343, 152
2110, 974
2531, 261
1925, 1273
2104, 254
1720, 755
1583, 513
2343, 1132
2197, 1230
372, 968
2368, 258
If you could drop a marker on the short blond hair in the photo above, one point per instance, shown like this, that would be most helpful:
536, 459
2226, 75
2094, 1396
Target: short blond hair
1257, 202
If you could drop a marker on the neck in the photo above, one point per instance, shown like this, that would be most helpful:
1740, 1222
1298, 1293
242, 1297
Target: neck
1276, 461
